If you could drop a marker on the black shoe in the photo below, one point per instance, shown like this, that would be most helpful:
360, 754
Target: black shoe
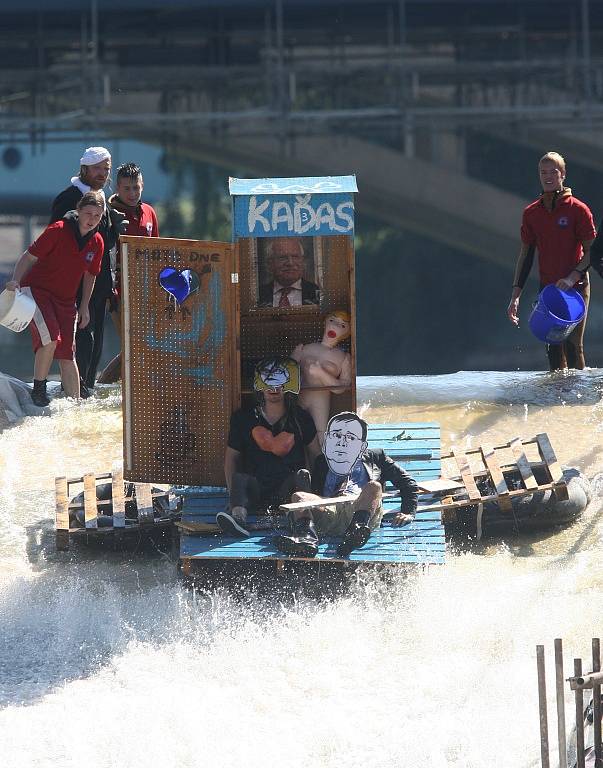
301, 542
357, 533
38, 395
230, 525
303, 481
85, 393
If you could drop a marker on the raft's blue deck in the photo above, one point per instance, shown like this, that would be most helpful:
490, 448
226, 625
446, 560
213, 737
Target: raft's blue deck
416, 448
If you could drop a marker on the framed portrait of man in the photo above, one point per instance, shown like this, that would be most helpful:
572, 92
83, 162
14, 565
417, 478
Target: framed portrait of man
289, 272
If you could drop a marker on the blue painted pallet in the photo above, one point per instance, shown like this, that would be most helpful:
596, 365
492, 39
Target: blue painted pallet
415, 447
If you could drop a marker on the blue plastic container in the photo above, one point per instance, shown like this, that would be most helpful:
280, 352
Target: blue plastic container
179, 284
556, 314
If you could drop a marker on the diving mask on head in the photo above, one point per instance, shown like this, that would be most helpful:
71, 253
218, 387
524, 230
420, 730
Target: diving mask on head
277, 373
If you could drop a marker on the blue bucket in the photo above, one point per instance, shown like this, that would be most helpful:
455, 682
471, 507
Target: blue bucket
556, 314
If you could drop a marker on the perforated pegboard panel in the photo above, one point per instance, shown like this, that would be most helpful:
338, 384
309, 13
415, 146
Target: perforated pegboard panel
178, 361
274, 331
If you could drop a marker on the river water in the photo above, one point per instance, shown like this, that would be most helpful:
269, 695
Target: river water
106, 660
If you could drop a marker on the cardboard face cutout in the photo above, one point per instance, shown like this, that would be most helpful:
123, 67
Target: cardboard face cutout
277, 373
344, 443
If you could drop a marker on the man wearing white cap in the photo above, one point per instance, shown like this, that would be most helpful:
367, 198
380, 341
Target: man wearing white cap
95, 167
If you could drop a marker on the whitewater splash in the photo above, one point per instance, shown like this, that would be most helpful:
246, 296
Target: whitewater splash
109, 661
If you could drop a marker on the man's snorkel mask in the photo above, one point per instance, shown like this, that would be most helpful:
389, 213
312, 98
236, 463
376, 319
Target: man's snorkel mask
277, 373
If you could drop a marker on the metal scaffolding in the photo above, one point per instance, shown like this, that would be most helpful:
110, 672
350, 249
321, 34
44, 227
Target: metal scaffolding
270, 71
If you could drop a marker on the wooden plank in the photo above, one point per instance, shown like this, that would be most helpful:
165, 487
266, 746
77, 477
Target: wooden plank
336, 502
117, 496
188, 526
493, 497
438, 485
61, 504
144, 503
90, 512
505, 467
523, 464
548, 454
491, 462
466, 474
76, 480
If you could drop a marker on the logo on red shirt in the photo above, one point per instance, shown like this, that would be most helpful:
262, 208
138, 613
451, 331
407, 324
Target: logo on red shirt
89, 257
563, 221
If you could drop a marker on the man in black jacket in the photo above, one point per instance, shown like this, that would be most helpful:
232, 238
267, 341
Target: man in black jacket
95, 167
286, 262
347, 468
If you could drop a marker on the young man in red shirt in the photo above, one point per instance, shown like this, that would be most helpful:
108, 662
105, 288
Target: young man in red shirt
561, 227
142, 221
68, 252
141, 216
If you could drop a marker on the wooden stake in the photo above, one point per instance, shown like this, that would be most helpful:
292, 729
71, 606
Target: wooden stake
544, 727
579, 716
597, 702
561, 740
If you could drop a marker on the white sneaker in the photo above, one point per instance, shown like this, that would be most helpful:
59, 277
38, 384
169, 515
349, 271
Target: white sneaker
230, 525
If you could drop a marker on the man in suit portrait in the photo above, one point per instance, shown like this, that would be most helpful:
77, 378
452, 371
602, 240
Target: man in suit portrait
286, 261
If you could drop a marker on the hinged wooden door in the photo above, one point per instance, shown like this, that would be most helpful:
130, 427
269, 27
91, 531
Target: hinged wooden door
180, 359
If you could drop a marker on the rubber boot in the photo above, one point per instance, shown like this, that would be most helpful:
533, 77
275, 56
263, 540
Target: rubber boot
357, 533
84, 390
303, 481
38, 395
301, 542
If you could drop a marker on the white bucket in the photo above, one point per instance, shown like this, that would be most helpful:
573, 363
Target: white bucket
16, 309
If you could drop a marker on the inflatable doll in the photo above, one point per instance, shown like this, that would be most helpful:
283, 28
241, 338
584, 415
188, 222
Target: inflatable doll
325, 369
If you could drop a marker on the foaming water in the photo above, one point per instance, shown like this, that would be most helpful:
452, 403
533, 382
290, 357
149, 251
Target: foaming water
105, 660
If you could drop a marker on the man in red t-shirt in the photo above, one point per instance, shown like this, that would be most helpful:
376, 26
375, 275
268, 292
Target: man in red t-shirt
561, 228
68, 252
142, 221
141, 216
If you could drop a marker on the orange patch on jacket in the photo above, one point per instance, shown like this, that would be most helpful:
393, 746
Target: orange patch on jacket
279, 445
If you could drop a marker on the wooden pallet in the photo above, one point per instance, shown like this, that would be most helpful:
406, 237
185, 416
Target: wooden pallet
415, 447
463, 469
65, 488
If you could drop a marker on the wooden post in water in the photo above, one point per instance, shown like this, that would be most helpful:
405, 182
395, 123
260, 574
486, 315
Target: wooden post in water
544, 727
579, 716
597, 703
560, 703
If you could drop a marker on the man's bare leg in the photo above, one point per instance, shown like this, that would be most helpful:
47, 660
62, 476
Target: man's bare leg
70, 378
43, 360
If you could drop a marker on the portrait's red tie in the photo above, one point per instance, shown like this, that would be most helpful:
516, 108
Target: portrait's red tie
284, 300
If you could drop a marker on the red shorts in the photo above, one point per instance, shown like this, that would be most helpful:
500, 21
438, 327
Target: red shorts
54, 320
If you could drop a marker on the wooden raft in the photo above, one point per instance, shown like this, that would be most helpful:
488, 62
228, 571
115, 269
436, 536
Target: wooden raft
415, 447
65, 488
496, 465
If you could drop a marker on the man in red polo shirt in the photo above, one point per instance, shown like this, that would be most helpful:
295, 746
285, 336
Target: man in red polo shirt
561, 227
142, 221
68, 252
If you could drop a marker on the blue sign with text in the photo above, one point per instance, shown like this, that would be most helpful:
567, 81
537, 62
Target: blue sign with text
308, 205
293, 215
